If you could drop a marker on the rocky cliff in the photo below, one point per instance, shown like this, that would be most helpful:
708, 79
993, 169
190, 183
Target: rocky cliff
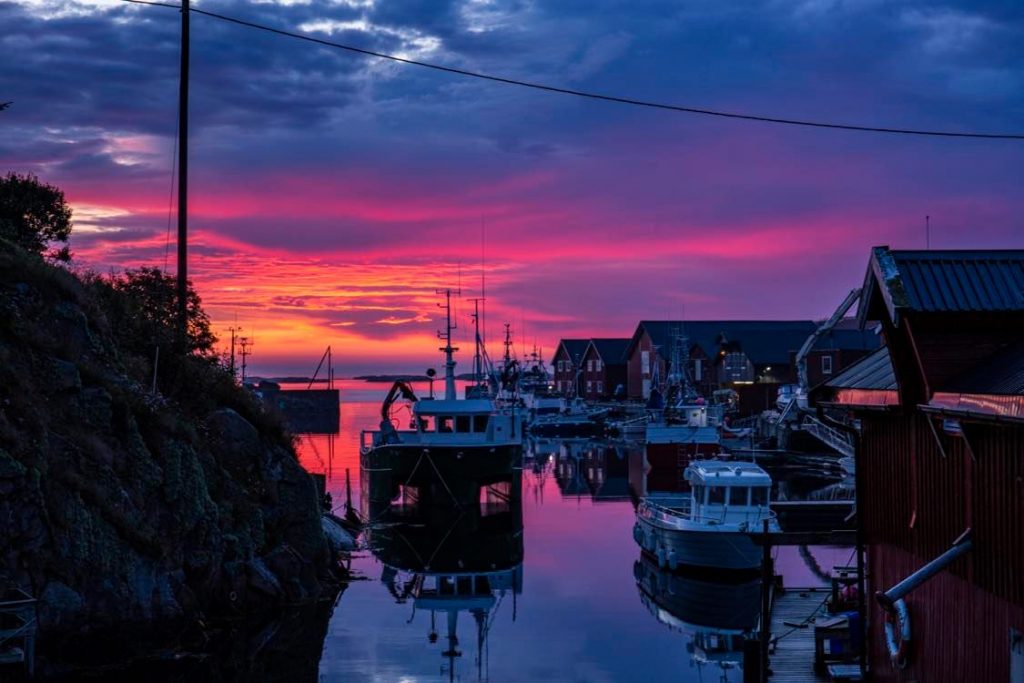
128, 507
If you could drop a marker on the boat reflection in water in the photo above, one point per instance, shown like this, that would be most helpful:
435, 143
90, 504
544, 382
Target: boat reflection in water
446, 560
717, 617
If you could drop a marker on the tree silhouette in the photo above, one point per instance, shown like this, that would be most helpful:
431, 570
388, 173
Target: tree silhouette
33, 215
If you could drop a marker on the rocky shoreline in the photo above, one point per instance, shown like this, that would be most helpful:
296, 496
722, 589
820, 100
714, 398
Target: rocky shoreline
130, 511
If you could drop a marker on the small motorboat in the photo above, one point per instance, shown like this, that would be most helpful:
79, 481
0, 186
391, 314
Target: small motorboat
711, 525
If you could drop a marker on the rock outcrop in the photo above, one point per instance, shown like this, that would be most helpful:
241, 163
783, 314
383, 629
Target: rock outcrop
123, 508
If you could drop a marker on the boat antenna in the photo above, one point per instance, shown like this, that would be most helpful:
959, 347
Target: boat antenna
483, 278
446, 335
478, 369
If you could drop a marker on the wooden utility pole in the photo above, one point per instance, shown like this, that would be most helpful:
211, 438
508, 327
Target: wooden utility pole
183, 173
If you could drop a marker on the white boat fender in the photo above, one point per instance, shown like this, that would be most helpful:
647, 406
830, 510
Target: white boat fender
673, 559
662, 560
897, 633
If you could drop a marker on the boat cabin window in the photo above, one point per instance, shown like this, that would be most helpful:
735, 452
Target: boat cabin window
717, 495
462, 423
444, 424
738, 495
759, 496
480, 423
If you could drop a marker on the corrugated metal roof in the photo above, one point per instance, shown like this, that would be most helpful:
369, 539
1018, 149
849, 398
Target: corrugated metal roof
873, 372
611, 350
1002, 373
964, 281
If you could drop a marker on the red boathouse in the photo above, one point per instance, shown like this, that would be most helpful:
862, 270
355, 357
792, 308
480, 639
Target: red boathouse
940, 463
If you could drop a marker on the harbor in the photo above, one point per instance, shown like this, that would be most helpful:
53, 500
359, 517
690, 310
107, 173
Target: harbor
491, 341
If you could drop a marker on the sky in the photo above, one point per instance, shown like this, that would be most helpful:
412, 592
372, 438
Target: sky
333, 194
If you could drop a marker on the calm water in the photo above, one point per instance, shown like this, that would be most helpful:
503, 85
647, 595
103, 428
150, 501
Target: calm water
581, 606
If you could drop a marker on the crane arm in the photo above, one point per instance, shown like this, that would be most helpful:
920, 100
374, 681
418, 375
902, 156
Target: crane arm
823, 328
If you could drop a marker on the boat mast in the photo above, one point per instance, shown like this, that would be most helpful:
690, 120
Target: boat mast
478, 366
508, 344
446, 335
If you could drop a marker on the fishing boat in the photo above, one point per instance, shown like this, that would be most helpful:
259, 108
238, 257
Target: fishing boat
711, 525
574, 419
476, 439
682, 426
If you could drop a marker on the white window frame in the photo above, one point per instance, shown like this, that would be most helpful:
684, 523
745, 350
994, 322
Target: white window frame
600, 387
826, 365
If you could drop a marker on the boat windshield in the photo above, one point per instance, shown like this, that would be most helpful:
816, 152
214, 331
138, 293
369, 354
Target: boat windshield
463, 424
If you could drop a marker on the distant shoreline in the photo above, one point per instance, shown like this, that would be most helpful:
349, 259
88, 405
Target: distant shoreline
370, 379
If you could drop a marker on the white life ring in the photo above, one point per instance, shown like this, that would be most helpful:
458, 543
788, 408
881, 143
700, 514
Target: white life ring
897, 633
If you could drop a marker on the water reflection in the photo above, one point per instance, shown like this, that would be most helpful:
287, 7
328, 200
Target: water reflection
715, 617
444, 561
573, 594
593, 468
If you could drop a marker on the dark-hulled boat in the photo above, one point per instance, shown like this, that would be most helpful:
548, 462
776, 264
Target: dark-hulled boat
448, 439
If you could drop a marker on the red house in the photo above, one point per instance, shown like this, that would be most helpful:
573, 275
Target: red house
566, 364
604, 368
940, 463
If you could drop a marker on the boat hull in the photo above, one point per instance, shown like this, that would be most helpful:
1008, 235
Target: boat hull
449, 472
731, 550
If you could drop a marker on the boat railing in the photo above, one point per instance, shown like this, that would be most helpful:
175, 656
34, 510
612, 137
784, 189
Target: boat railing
679, 506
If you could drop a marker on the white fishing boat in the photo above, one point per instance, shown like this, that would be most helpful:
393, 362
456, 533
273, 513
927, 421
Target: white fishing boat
710, 526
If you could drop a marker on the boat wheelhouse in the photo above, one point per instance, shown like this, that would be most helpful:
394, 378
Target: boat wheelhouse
711, 525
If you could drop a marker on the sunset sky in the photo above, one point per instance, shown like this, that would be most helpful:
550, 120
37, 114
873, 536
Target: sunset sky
332, 193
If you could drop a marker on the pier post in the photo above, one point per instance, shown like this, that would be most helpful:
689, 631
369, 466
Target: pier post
767, 579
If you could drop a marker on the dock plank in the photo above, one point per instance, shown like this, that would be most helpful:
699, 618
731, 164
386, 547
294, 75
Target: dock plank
792, 659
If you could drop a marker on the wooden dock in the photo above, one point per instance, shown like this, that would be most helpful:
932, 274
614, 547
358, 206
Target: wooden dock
792, 626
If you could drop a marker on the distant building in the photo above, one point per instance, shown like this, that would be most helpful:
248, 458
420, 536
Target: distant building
721, 354
940, 462
604, 368
839, 348
568, 359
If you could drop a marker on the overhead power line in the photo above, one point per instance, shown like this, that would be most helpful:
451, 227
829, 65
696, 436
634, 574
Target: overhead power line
590, 95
